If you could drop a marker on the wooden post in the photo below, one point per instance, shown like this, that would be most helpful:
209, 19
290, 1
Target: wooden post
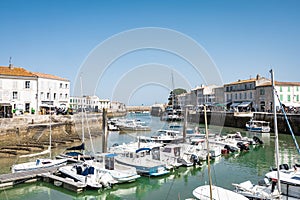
104, 131
185, 124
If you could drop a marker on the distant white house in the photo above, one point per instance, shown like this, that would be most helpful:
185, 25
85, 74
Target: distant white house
94, 104
23, 91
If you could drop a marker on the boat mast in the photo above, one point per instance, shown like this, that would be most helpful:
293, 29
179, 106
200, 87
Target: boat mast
82, 125
275, 131
50, 131
208, 153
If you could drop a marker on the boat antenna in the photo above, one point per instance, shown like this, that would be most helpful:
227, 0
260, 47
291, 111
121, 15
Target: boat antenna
276, 131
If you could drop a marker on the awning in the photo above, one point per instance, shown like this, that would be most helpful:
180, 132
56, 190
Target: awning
5, 104
234, 104
245, 104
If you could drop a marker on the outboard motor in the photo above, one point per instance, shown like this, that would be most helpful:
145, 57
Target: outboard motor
284, 166
194, 159
230, 149
242, 146
257, 140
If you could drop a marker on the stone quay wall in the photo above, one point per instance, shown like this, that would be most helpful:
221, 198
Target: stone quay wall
228, 119
35, 128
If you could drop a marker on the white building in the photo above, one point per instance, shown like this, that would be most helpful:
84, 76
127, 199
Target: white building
242, 94
288, 94
90, 103
29, 92
205, 94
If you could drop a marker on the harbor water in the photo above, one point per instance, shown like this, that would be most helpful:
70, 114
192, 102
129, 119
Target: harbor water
179, 184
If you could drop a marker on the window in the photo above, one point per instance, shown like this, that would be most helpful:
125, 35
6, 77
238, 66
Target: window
66, 86
297, 88
280, 89
71, 100
240, 95
60, 96
250, 95
48, 95
54, 96
15, 95
289, 97
262, 91
27, 84
289, 88
297, 97
66, 96
27, 107
281, 97
60, 85
245, 95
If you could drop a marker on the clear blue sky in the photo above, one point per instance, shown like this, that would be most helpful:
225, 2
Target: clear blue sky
242, 37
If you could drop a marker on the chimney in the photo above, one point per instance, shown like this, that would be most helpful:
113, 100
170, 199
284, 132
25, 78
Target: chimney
257, 77
10, 66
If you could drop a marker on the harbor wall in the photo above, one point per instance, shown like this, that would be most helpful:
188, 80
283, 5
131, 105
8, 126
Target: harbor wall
34, 128
230, 120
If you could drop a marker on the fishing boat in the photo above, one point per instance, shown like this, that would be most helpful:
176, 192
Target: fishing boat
258, 126
142, 161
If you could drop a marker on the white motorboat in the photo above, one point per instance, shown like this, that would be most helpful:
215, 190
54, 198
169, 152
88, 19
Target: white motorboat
172, 155
105, 163
87, 174
132, 125
258, 126
264, 190
38, 164
142, 161
167, 136
142, 142
289, 181
218, 193
198, 147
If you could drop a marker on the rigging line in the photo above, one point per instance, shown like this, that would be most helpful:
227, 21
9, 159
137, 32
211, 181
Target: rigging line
287, 121
88, 127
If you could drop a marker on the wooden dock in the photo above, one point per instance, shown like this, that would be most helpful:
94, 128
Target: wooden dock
66, 183
9, 180
46, 174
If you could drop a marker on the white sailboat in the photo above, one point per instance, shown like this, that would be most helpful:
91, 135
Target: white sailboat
41, 162
212, 192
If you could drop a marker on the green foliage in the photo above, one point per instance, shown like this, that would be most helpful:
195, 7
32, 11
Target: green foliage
179, 91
